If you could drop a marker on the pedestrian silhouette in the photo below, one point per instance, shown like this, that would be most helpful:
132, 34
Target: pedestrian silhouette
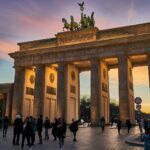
61, 132
40, 128
74, 128
102, 123
128, 124
5, 126
18, 129
119, 125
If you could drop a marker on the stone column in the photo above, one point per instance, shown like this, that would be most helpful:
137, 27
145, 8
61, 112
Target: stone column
18, 94
79, 111
148, 61
104, 91
126, 94
9, 102
39, 94
95, 91
62, 91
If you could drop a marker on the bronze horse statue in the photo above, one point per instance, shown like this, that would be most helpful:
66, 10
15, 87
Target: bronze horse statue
73, 26
66, 24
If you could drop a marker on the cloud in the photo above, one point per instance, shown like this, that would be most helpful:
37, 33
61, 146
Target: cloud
43, 28
7, 47
145, 107
85, 74
140, 76
132, 13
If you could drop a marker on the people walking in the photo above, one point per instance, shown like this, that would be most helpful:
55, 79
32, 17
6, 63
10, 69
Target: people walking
128, 124
5, 126
18, 129
47, 125
119, 125
74, 128
102, 123
61, 132
40, 128
54, 128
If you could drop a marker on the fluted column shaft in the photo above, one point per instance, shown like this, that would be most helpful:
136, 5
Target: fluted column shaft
39, 95
123, 89
18, 94
62, 91
95, 90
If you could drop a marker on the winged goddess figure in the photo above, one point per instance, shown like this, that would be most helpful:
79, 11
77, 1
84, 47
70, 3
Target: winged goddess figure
81, 6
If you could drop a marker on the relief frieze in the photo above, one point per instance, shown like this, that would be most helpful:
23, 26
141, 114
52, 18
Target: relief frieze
68, 38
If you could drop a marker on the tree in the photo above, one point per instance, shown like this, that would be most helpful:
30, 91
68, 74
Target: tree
85, 108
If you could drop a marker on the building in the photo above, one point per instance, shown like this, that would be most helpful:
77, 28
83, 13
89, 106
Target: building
47, 71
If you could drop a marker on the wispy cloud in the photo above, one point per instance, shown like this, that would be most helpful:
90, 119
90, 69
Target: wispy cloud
5, 48
140, 76
132, 13
145, 107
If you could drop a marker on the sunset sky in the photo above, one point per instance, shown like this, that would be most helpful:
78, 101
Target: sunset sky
26, 20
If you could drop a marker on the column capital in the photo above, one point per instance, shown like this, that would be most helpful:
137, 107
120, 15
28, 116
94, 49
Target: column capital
95, 59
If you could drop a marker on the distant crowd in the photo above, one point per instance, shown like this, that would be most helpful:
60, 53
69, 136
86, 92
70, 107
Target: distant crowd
27, 129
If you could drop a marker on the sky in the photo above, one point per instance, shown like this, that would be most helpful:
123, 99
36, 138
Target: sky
26, 20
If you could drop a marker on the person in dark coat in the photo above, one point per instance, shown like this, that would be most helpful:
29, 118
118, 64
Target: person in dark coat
102, 123
40, 128
47, 125
128, 124
1, 120
74, 128
61, 132
18, 129
27, 131
119, 125
5, 126
54, 129
34, 129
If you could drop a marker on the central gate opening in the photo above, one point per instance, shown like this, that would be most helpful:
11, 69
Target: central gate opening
85, 96
114, 95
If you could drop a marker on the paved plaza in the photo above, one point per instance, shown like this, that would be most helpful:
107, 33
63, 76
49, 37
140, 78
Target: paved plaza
87, 139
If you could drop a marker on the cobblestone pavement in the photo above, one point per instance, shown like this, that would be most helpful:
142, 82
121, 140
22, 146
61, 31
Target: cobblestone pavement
87, 139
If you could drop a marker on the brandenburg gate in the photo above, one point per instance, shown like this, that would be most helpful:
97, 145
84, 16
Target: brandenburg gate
47, 71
